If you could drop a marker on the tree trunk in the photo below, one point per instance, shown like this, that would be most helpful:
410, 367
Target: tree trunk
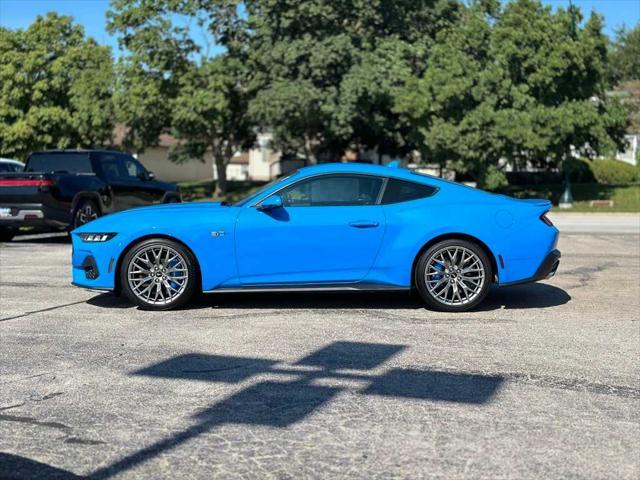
221, 173
312, 159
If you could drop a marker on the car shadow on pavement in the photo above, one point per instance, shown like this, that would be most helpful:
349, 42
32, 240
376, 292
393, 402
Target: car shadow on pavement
533, 295
297, 389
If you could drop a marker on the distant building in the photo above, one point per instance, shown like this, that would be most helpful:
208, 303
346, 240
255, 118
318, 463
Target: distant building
261, 164
630, 155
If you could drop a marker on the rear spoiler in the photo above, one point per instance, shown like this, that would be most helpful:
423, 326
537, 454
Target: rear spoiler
538, 202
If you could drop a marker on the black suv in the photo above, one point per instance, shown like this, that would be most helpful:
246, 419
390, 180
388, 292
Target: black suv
67, 188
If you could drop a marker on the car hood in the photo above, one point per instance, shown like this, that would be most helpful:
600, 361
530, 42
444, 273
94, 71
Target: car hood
155, 216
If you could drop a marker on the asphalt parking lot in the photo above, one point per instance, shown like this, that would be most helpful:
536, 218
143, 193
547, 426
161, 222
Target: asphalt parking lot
542, 382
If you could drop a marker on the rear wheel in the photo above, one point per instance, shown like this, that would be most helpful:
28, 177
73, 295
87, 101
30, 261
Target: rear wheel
86, 211
158, 274
453, 275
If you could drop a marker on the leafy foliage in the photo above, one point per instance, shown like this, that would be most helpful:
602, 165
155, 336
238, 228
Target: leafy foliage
325, 70
522, 84
625, 56
168, 83
55, 88
613, 172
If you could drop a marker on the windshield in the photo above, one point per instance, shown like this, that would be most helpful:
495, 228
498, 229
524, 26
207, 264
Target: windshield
256, 194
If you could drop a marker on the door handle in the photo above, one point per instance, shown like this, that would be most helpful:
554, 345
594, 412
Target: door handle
363, 224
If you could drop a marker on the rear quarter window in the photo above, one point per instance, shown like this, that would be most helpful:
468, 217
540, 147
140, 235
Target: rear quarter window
403, 191
60, 163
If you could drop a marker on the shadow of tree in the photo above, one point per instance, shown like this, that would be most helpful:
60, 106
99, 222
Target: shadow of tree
280, 404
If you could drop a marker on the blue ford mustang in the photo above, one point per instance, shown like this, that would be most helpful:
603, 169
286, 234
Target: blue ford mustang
326, 227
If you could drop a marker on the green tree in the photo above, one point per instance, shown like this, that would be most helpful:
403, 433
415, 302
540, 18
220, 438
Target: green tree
324, 71
168, 83
209, 115
624, 68
625, 56
521, 84
55, 88
157, 54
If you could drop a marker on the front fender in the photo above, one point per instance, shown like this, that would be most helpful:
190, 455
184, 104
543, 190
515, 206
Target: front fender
215, 254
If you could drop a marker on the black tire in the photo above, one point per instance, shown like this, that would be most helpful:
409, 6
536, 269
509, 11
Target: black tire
186, 292
476, 290
85, 212
6, 235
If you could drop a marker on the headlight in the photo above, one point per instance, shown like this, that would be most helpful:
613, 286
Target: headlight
96, 237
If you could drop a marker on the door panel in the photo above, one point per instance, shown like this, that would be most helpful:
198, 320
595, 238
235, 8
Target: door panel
315, 244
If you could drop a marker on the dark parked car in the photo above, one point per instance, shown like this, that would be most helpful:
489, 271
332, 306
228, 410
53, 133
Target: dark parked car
67, 188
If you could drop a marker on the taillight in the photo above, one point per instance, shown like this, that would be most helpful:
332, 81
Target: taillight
546, 220
27, 183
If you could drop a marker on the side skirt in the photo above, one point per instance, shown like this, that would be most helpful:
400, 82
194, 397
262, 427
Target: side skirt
361, 287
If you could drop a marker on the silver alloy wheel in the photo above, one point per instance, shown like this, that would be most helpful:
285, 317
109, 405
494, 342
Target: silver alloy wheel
86, 214
157, 274
454, 275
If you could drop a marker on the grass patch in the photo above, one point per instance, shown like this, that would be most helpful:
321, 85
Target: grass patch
203, 190
626, 198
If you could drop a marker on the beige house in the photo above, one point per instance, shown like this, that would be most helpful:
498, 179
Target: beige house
258, 164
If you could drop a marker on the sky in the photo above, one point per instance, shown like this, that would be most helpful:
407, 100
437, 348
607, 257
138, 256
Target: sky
91, 14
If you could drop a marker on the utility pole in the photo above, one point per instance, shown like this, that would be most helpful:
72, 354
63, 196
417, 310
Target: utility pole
566, 199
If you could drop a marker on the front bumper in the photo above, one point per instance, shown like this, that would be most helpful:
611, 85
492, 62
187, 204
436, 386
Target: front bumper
93, 264
547, 269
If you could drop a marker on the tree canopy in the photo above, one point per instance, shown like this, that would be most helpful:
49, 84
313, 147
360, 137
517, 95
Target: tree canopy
520, 83
168, 83
55, 88
324, 70
469, 85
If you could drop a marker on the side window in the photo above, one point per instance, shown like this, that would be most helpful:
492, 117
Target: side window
402, 191
333, 190
59, 162
132, 167
112, 166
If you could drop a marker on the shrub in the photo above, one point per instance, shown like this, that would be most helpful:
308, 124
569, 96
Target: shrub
495, 178
613, 172
580, 171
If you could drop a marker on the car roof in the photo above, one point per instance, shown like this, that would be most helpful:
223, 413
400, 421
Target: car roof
79, 150
370, 169
9, 160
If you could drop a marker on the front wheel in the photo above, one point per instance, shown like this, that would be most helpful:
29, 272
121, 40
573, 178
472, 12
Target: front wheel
453, 275
158, 274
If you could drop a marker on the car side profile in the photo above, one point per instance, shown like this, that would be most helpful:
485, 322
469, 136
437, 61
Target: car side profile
325, 227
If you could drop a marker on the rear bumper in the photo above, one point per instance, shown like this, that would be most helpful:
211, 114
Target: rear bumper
547, 269
15, 216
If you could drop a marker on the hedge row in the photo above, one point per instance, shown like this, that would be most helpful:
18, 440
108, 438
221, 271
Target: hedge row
603, 171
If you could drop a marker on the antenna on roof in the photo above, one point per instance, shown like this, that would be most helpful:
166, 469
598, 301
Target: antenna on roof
394, 164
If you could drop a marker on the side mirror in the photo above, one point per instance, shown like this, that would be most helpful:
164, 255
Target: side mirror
151, 175
270, 203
